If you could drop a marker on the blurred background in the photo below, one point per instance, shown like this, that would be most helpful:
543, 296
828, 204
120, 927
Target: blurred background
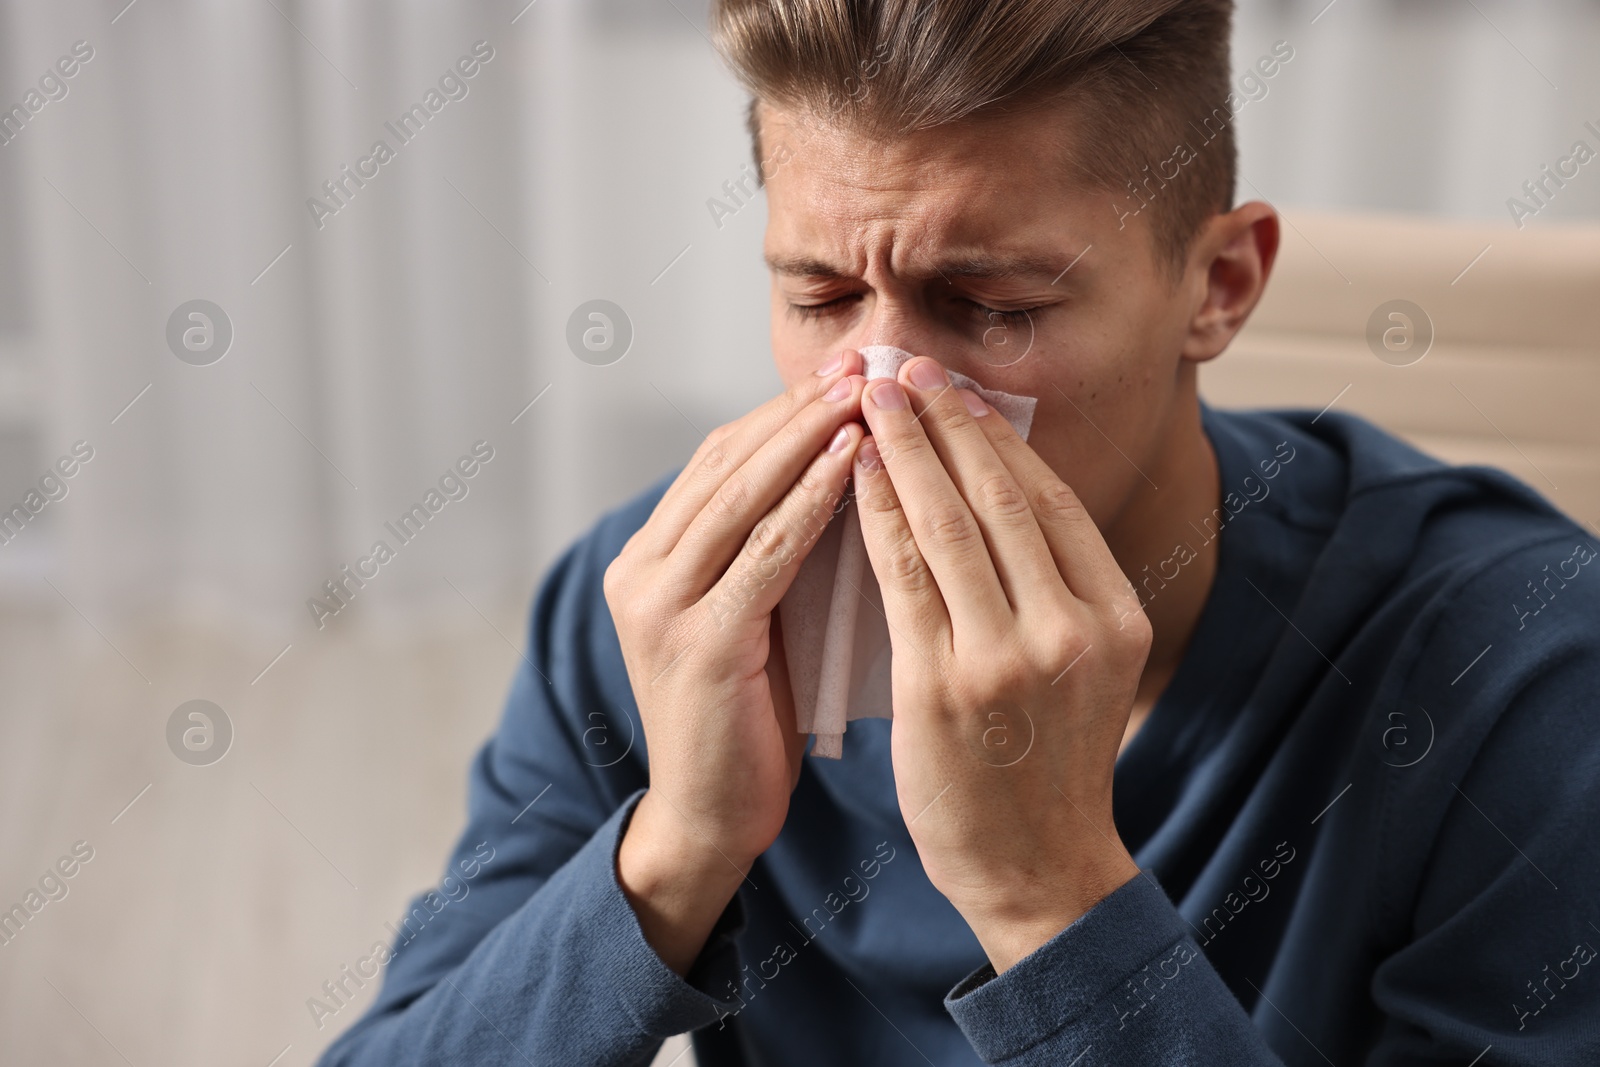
249, 375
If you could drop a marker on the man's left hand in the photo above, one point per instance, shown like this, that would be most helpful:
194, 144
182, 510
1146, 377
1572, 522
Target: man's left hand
1018, 646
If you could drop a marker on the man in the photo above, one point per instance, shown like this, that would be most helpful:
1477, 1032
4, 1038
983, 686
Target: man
1308, 772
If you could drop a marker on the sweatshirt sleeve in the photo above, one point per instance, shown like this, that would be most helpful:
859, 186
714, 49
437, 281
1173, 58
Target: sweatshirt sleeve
1126, 983
527, 951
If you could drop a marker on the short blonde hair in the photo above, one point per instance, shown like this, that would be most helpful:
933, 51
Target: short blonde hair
1148, 76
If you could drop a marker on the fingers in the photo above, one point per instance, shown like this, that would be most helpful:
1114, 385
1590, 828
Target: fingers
912, 601
951, 418
726, 448
728, 522
762, 571
942, 527
1081, 554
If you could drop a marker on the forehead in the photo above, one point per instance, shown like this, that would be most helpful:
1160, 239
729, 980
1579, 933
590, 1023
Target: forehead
996, 196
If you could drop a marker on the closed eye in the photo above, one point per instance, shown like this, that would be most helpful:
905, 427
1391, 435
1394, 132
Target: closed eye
817, 311
1010, 318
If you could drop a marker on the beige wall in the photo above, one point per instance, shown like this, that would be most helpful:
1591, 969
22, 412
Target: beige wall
1512, 377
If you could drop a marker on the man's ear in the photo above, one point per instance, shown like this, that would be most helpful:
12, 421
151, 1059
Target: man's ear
1231, 257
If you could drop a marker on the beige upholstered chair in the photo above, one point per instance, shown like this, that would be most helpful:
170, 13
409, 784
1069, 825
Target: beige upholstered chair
1512, 377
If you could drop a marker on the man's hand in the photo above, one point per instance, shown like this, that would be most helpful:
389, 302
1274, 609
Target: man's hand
692, 594
1018, 645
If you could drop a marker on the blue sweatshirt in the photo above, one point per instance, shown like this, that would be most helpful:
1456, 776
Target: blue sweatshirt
1364, 809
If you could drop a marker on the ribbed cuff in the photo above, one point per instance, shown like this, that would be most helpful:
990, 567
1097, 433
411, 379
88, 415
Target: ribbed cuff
660, 1002
1054, 986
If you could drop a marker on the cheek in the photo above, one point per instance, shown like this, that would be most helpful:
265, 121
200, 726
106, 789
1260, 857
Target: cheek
795, 365
1111, 380
791, 373
796, 356
792, 358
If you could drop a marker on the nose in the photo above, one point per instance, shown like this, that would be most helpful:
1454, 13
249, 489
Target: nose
971, 347
898, 321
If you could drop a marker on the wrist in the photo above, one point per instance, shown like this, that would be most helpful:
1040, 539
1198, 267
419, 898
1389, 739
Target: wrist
677, 882
1016, 922
663, 836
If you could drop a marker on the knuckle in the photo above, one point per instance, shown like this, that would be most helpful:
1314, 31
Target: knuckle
770, 546
1134, 631
905, 567
1059, 503
949, 526
1061, 639
613, 582
767, 531
1064, 642
710, 472
713, 460
1127, 631
730, 500
619, 580
811, 483
875, 501
999, 495
629, 611
911, 444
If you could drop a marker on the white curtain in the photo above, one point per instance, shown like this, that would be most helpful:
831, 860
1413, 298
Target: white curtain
1433, 107
372, 347
430, 309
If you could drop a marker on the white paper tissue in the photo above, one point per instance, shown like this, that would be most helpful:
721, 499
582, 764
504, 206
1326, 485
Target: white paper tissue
835, 637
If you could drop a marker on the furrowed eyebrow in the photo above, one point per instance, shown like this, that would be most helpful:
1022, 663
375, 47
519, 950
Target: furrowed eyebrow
992, 268
803, 267
980, 268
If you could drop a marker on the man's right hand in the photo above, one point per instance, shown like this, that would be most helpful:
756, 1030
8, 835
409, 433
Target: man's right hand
693, 594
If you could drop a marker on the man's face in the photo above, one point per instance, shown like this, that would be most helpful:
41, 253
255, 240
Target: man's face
921, 243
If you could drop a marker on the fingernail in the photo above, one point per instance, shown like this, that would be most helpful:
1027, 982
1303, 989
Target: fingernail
888, 395
975, 405
867, 455
832, 365
840, 390
840, 439
928, 374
